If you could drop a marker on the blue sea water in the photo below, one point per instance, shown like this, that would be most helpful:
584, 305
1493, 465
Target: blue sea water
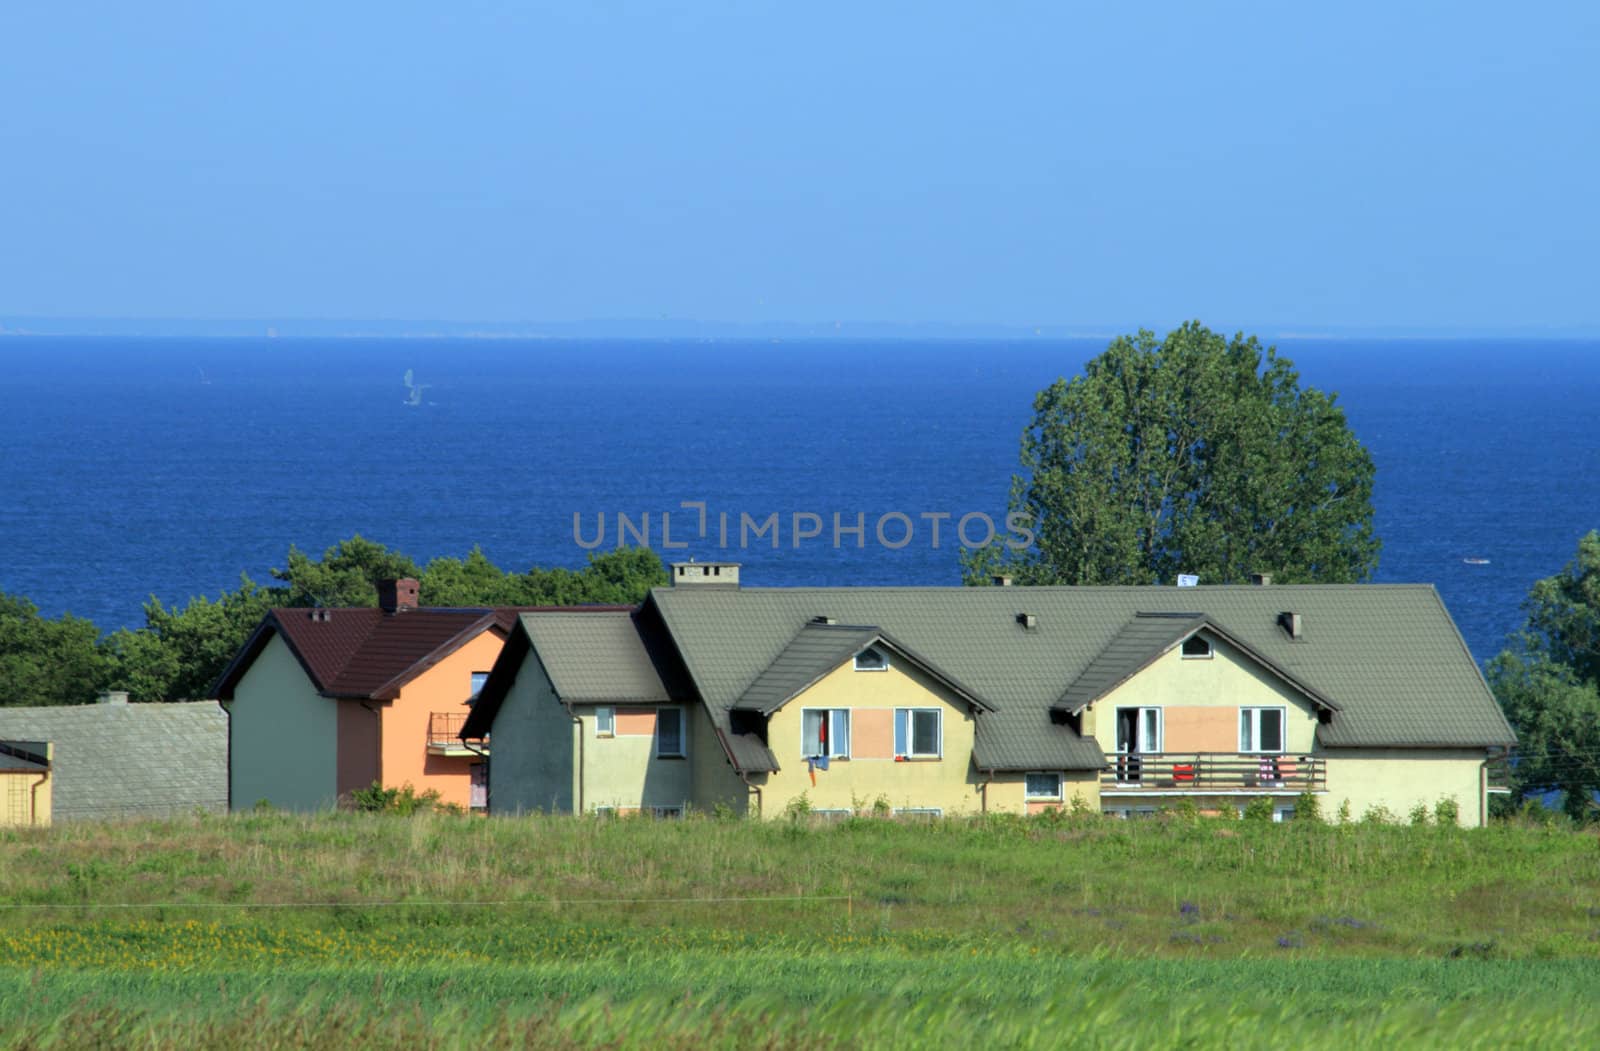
131, 468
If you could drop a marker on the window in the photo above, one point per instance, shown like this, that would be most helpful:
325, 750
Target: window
605, 722
1260, 729
669, 733
665, 813
478, 679
825, 731
872, 659
923, 813
1283, 813
605, 811
1194, 647
1042, 786
1128, 813
918, 733
832, 815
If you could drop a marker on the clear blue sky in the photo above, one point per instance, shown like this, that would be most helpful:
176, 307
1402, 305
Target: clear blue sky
1382, 164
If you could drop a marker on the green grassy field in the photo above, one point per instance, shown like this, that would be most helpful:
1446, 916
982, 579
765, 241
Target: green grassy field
360, 930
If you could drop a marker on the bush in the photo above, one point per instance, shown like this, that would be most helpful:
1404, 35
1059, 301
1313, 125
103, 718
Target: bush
1378, 815
1447, 812
1308, 808
404, 801
798, 808
1259, 809
1419, 814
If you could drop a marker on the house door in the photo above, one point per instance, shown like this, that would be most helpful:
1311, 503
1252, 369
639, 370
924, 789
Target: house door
480, 786
1138, 733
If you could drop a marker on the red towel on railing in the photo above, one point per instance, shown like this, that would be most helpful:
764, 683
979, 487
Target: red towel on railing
1183, 771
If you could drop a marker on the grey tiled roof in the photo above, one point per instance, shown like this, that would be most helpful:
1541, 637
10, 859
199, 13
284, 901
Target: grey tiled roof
815, 650
1387, 655
130, 760
595, 656
1141, 640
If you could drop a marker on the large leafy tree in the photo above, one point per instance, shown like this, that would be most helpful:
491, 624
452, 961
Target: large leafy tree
45, 661
1189, 454
1548, 682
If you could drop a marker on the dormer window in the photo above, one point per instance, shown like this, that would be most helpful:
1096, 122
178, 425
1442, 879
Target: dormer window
1196, 648
872, 659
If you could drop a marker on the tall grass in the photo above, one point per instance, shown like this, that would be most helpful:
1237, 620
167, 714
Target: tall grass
436, 931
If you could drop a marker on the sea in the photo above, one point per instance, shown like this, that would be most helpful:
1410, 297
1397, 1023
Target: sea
166, 468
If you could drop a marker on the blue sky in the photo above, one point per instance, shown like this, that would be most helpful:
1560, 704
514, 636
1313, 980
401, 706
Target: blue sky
1419, 166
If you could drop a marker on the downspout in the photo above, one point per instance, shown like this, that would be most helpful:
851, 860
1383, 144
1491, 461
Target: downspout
983, 790
33, 799
577, 730
750, 790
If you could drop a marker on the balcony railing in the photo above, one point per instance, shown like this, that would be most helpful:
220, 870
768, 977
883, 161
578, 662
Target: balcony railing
444, 735
1198, 773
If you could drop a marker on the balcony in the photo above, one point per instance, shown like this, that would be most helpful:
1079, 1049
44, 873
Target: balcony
444, 735
1212, 773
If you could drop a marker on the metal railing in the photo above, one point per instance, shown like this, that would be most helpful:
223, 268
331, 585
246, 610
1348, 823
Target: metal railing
1197, 772
444, 729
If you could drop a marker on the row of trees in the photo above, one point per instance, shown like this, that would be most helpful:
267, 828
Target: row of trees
180, 651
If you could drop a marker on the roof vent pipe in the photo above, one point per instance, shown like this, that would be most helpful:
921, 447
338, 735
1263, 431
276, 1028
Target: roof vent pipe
1293, 624
823, 620
1002, 580
1260, 580
1028, 621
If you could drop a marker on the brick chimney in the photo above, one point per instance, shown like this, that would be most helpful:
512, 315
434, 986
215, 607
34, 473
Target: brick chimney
397, 595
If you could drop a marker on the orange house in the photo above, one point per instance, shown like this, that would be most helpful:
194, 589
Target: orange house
322, 702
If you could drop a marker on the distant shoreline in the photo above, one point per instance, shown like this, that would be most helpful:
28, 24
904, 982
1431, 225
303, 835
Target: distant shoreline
674, 331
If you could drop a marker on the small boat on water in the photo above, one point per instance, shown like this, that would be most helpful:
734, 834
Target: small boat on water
1476, 561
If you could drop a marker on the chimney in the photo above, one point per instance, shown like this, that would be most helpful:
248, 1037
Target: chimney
397, 595
113, 697
1002, 580
1293, 624
1260, 580
705, 574
1028, 621
824, 620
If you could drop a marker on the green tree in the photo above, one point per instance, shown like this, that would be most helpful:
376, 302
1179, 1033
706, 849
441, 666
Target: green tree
1189, 454
179, 653
1548, 683
347, 574
44, 661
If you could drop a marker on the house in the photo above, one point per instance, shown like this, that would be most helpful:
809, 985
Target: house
323, 702
114, 760
24, 784
943, 701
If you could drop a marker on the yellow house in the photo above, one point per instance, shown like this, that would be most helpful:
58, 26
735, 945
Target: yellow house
947, 701
25, 789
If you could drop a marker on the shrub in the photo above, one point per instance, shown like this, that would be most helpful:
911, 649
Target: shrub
1344, 812
1186, 809
1447, 812
1308, 808
1259, 809
1378, 815
404, 801
1419, 814
798, 808
881, 807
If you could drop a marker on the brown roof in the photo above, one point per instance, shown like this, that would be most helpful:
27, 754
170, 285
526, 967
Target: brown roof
363, 652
